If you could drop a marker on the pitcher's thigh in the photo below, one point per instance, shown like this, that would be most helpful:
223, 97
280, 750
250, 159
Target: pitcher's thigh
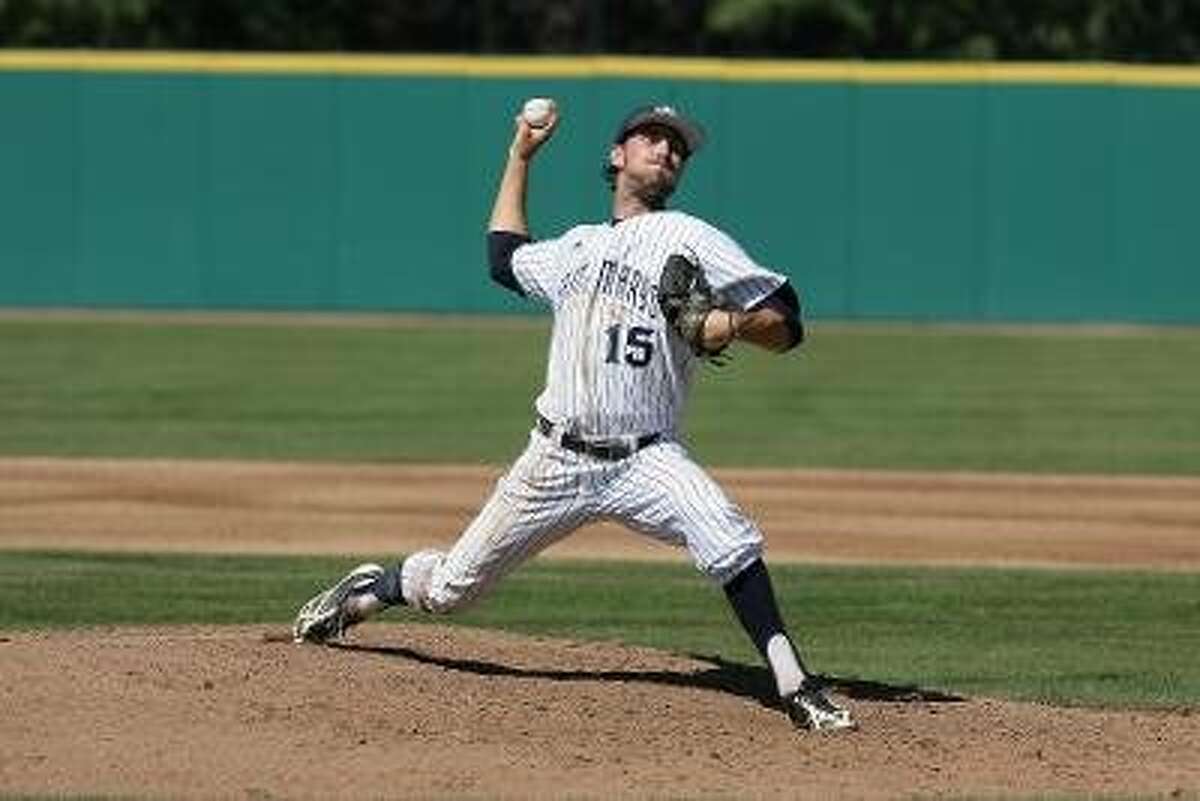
668, 496
516, 522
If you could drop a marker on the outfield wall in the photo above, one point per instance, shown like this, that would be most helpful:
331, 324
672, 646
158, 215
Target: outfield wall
956, 192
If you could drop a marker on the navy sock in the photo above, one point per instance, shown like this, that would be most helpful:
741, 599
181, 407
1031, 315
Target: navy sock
387, 586
753, 600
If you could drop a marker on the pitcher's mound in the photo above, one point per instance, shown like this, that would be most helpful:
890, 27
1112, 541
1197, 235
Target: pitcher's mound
420, 711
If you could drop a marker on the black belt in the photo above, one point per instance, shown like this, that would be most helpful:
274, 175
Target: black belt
610, 450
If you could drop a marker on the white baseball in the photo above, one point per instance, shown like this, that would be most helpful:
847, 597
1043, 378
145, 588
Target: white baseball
537, 111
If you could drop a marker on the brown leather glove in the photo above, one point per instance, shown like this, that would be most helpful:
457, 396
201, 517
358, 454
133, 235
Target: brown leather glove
686, 299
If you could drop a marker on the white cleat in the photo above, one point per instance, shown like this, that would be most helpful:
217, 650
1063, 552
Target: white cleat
327, 616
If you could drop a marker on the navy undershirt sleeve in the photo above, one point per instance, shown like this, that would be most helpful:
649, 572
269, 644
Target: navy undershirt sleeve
500, 247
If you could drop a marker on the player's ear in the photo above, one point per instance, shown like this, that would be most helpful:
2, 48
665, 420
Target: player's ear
616, 157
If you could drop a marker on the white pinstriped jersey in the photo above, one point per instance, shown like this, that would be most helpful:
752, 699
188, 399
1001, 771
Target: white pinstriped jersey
615, 369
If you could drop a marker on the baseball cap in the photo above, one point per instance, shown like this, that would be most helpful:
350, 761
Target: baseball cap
689, 131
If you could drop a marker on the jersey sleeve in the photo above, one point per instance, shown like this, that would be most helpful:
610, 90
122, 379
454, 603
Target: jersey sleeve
737, 279
542, 267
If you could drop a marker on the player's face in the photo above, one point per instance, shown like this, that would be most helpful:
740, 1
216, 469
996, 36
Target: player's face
650, 161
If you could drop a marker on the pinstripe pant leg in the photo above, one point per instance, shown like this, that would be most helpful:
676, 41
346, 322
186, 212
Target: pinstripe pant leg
541, 499
665, 495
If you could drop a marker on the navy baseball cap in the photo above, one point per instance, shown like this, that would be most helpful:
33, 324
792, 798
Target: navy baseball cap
689, 131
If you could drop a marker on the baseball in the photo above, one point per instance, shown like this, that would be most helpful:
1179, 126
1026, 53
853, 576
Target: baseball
537, 111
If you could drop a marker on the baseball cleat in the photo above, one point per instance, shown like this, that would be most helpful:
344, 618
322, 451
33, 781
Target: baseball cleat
811, 710
327, 615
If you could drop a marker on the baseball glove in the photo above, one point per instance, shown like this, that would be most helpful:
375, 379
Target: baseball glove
686, 299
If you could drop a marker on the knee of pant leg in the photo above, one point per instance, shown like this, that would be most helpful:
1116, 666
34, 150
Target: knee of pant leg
732, 562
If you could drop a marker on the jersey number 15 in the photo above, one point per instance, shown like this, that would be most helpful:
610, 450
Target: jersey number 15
638, 345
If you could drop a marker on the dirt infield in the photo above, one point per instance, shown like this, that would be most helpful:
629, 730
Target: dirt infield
407, 711
812, 516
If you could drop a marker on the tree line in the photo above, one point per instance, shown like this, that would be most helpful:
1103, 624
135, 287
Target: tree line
1112, 30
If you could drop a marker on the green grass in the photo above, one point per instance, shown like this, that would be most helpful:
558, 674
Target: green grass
1111, 639
857, 396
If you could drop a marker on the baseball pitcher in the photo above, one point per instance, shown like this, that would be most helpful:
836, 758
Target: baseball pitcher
638, 300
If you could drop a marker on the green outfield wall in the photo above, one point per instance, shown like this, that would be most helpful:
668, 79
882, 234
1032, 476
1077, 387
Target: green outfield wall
926, 192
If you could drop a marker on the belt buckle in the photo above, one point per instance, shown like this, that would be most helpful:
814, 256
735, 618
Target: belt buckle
609, 449
614, 449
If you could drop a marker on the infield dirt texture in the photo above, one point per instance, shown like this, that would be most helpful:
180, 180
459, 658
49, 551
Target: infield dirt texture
419, 711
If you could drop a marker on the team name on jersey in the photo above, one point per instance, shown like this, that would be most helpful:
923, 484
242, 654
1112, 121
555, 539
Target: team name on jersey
623, 282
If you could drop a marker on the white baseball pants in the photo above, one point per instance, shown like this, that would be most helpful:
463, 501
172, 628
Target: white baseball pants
550, 492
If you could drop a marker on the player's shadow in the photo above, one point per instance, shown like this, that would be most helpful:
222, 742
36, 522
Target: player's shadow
722, 675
